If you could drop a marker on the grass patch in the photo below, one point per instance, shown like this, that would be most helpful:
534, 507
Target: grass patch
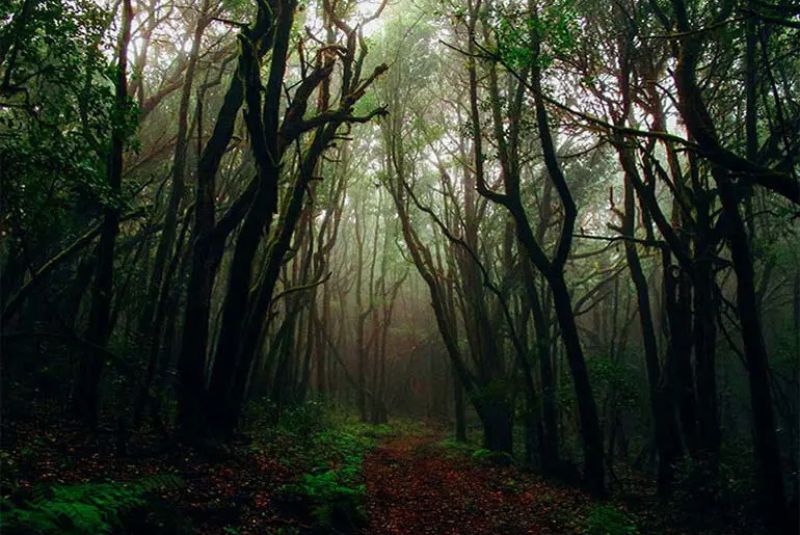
79, 509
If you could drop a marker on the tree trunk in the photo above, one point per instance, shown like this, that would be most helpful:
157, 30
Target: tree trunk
497, 419
664, 424
208, 241
548, 440
168, 234
765, 438
589, 422
86, 394
257, 222
459, 408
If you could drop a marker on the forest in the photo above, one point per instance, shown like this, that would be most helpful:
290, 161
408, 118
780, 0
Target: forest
400, 267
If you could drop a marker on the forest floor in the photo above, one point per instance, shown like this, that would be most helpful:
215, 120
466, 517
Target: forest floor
305, 474
416, 485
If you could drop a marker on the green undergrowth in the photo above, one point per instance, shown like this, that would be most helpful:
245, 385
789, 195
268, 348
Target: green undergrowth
494, 457
95, 508
326, 449
605, 519
455, 448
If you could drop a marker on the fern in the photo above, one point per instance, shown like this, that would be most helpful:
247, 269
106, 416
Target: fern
80, 509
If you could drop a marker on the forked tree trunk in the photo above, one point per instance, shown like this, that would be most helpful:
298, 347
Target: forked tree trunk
661, 406
208, 240
257, 221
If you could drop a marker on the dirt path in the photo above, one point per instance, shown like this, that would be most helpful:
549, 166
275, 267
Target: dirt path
415, 487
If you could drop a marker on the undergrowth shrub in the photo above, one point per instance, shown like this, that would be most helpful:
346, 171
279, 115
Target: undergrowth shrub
331, 491
304, 419
456, 448
608, 520
336, 497
89, 508
268, 422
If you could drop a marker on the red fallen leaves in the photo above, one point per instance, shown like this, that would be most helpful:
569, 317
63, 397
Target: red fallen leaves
236, 492
413, 485
413, 488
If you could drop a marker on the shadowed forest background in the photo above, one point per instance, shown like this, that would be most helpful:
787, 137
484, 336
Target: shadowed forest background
404, 266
